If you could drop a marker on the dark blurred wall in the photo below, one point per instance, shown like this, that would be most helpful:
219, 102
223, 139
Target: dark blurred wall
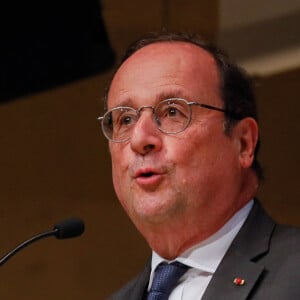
279, 110
46, 44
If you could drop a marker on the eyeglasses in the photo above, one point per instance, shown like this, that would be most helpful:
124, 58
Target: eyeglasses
171, 116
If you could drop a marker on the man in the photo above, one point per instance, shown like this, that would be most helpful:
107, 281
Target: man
183, 138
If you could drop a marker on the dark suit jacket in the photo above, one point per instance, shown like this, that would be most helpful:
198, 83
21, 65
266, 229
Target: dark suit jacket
266, 255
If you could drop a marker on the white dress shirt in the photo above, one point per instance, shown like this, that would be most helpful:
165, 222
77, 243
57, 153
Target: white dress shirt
203, 259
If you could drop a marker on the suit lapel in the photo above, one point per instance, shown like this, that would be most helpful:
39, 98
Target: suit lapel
136, 288
240, 261
139, 289
222, 285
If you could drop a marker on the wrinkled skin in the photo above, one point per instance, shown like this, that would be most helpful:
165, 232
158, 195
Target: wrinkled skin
199, 177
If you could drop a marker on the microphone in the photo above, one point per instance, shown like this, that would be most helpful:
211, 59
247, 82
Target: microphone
65, 229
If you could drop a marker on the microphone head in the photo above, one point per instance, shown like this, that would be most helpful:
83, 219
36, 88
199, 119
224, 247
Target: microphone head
69, 228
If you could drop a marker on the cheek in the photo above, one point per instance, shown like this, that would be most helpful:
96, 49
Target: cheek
118, 166
121, 183
187, 162
191, 151
200, 159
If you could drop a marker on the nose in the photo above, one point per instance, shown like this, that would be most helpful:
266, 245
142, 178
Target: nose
146, 137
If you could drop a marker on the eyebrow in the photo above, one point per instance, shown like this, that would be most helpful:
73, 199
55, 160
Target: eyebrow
125, 102
176, 93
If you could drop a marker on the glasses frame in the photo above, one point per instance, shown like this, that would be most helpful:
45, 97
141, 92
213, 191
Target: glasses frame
153, 108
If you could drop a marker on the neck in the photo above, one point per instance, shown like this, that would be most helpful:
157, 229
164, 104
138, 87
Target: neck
179, 233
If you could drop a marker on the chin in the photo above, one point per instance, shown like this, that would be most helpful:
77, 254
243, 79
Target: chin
155, 213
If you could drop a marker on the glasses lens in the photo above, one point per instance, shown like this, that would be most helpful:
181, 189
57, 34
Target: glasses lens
173, 115
118, 122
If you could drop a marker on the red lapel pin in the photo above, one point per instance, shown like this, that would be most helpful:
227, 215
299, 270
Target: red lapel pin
238, 281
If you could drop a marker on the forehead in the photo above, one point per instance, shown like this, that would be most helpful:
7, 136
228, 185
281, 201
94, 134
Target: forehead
178, 68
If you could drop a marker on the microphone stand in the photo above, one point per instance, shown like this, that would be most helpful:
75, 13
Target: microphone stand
26, 243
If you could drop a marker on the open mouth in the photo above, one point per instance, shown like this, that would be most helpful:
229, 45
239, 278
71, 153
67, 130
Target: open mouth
148, 174
148, 178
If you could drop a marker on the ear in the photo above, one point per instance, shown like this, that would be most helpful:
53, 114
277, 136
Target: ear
247, 135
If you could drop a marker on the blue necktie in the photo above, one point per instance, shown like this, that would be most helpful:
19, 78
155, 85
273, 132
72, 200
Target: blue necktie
165, 279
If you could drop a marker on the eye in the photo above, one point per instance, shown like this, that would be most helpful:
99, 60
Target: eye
172, 111
125, 117
125, 120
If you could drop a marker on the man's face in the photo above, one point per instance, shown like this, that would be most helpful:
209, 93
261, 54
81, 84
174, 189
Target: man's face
190, 178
